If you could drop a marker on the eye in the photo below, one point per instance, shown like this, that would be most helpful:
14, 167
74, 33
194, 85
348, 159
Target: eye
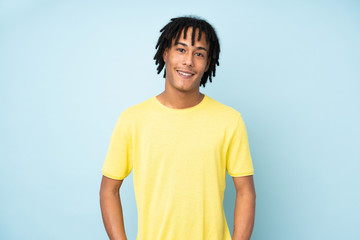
199, 54
180, 50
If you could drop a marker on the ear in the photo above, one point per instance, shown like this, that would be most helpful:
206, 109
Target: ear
165, 54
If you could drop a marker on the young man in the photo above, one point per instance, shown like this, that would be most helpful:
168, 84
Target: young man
179, 145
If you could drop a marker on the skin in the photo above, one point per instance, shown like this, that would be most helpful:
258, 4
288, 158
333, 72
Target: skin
181, 92
244, 213
111, 208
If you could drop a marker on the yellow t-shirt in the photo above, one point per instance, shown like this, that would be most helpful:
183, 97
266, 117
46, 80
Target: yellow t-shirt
179, 159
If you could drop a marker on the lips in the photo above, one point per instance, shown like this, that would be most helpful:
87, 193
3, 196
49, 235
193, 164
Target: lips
185, 74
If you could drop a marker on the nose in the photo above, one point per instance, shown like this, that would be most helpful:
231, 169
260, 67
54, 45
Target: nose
188, 59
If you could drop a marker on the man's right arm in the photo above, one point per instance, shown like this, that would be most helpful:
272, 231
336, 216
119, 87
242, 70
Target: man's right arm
111, 208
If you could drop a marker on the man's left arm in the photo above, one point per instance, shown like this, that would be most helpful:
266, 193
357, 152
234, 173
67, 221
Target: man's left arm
244, 213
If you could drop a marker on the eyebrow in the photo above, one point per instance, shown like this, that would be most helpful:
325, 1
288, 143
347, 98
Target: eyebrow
185, 45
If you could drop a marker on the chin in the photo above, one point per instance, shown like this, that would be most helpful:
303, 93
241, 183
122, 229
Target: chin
183, 88
183, 85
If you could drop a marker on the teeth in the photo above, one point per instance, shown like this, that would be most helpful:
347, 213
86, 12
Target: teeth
185, 74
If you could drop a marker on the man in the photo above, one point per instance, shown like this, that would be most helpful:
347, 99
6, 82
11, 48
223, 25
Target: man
179, 145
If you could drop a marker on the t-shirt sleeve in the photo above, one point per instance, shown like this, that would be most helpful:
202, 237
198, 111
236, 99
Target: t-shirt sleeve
238, 158
118, 161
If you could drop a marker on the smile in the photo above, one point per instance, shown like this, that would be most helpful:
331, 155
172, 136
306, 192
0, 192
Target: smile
184, 74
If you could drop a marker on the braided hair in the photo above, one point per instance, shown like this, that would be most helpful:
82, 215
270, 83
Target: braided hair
173, 30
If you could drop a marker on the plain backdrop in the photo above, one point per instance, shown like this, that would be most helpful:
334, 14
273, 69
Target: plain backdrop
69, 68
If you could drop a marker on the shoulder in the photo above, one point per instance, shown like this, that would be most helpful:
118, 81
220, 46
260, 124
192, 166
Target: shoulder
224, 111
136, 111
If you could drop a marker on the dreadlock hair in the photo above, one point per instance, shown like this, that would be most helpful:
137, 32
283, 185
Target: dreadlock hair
173, 31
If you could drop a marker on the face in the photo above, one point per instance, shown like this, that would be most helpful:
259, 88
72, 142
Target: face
185, 64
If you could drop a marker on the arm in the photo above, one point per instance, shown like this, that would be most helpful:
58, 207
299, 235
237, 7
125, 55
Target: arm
111, 208
244, 213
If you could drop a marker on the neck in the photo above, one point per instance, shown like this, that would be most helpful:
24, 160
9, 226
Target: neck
180, 100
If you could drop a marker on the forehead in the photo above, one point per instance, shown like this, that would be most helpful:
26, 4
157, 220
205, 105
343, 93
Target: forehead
188, 35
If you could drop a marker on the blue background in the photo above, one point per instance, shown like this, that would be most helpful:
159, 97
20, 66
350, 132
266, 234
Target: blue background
69, 68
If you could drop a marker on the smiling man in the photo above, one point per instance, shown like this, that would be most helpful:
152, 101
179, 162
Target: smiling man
179, 145
185, 65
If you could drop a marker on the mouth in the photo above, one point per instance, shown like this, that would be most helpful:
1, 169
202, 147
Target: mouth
185, 74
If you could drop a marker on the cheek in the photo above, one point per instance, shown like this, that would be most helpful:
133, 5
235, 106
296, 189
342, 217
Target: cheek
205, 66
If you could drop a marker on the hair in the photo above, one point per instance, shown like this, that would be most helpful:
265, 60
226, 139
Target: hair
173, 30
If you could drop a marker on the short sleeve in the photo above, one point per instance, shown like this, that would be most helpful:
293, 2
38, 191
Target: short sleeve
118, 161
238, 158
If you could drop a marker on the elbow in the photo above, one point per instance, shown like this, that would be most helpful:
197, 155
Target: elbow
254, 194
247, 193
109, 192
